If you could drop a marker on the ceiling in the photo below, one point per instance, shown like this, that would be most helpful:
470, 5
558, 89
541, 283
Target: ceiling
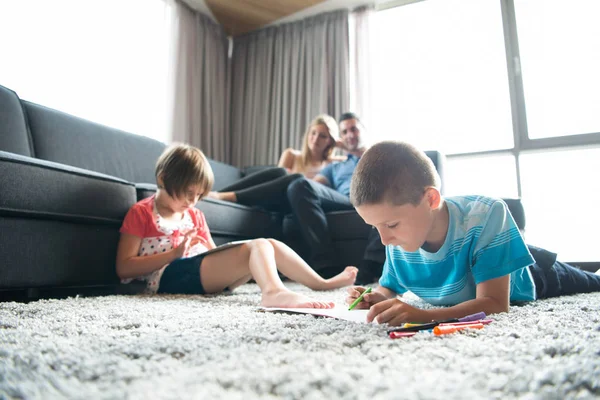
241, 16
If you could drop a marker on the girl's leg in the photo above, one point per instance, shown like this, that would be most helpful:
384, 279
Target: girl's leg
256, 258
295, 268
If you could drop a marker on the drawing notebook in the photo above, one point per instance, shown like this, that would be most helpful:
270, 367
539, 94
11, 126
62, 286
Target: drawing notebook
338, 312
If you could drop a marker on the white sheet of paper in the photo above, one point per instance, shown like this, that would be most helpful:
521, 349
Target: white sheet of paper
338, 312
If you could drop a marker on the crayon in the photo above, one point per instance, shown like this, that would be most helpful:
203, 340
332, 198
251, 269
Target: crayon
446, 329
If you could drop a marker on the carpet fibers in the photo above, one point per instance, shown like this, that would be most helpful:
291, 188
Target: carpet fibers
196, 347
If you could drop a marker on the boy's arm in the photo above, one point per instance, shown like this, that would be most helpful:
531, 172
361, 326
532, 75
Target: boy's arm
492, 297
325, 177
388, 293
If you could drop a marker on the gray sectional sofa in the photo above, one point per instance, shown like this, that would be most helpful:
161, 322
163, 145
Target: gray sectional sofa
66, 184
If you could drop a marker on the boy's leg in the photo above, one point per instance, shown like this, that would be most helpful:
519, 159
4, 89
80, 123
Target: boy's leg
309, 202
554, 278
294, 267
256, 258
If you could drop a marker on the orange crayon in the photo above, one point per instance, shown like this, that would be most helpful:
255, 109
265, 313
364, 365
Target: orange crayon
445, 329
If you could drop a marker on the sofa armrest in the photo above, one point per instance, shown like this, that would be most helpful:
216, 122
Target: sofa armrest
515, 206
45, 189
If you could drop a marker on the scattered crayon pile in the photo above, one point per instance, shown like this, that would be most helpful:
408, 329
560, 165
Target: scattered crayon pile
474, 321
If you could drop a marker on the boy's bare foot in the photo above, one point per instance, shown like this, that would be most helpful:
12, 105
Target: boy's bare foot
344, 278
288, 299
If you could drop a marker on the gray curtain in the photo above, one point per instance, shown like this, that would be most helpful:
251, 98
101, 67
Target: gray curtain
282, 77
200, 102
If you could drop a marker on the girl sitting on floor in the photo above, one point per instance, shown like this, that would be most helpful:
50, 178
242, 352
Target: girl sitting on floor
164, 239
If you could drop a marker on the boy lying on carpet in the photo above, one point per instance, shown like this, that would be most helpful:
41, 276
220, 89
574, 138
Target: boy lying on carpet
464, 252
164, 238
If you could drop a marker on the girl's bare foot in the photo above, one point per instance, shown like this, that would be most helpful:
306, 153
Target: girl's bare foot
288, 299
344, 278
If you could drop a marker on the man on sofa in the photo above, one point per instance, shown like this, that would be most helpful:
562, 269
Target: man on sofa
330, 191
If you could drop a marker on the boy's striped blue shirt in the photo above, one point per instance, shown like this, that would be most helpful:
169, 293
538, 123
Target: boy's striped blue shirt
482, 243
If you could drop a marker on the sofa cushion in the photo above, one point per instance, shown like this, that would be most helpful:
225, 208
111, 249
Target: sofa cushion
145, 190
14, 136
238, 221
43, 189
66, 139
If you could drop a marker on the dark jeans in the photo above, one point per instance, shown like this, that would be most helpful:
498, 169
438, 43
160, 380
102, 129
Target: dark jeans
554, 278
266, 189
309, 201
371, 266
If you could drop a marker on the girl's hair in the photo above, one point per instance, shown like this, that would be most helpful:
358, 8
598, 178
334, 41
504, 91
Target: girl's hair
393, 172
332, 128
181, 166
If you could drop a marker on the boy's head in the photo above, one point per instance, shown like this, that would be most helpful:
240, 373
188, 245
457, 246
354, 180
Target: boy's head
184, 173
395, 188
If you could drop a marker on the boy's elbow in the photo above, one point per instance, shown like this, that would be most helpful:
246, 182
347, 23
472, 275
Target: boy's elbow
499, 307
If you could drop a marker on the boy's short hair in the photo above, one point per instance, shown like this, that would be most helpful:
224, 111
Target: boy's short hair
181, 166
394, 172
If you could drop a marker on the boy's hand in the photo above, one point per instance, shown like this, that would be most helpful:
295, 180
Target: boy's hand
185, 243
395, 312
367, 301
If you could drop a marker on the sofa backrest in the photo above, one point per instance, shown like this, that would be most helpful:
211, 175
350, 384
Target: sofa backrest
66, 139
14, 135
225, 174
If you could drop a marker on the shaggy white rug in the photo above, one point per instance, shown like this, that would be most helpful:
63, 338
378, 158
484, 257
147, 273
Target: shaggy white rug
196, 347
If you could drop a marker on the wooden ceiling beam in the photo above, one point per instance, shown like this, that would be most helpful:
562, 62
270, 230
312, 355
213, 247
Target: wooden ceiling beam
242, 16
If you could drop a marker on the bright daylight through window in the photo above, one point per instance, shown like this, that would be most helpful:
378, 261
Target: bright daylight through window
441, 81
104, 61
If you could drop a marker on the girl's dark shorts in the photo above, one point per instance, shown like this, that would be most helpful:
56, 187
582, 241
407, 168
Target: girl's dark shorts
182, 276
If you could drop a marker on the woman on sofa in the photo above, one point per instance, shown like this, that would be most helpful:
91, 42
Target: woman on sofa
268, 188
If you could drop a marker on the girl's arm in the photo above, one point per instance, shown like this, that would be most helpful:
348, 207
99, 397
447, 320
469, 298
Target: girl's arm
287, 159
130, 265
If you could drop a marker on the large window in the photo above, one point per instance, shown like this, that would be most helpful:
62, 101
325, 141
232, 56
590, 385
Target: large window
439, 76
560, 192
560, 59
509, 90
106, 61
